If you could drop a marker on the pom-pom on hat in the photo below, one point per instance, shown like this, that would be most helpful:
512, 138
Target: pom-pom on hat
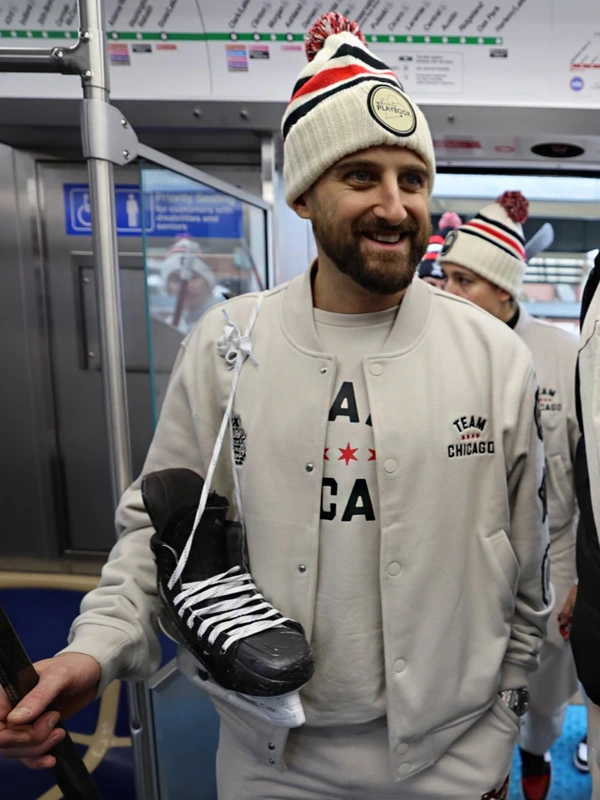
492, 243
346, 100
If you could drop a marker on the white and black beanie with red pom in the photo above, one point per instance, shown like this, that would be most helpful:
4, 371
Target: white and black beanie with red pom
345, 100
492, 243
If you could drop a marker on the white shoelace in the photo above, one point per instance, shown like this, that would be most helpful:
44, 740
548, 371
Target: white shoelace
236, 602
238, 605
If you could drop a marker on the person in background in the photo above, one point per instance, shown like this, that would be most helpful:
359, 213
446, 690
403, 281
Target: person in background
187, 276
484, 261
585, 626
429, 269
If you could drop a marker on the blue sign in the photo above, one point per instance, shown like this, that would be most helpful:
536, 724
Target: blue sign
201, 214
577, 84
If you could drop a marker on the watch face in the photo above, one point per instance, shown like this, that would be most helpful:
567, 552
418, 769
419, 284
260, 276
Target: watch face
519, 702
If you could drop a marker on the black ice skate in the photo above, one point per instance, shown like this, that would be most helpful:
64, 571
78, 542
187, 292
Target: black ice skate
238, 646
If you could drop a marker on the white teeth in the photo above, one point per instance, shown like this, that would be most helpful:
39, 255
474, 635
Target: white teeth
390, 239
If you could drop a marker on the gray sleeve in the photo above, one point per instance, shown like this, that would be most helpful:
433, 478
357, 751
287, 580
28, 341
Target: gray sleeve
118, 620
530, 541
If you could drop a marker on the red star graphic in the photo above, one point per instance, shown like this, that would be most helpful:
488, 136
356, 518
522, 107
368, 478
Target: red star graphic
373, 455
347, 454
325, 456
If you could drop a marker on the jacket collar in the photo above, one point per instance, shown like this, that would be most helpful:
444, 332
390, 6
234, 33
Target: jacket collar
297, 318
524, 321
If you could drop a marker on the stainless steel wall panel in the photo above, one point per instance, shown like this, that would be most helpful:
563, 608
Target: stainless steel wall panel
27, 467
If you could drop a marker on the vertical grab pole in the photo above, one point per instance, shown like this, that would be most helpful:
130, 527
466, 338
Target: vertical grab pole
106, 263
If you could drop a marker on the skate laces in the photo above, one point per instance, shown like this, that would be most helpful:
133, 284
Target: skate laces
229, 604
229, 601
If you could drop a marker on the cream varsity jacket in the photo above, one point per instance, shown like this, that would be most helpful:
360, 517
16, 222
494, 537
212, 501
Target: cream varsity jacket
464, 544
554, 356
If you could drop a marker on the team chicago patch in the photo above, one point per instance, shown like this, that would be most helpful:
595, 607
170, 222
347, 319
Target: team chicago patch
473, 438
498, 794
548, 400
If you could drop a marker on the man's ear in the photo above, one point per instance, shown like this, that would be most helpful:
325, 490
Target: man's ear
300, 206
504, 295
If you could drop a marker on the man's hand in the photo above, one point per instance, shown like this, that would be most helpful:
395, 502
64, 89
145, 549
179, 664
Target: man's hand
27, 732
566, 614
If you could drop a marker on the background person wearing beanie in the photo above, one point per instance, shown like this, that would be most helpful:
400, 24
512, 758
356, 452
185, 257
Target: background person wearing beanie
425, 617
187, 276
484, 261
429, 269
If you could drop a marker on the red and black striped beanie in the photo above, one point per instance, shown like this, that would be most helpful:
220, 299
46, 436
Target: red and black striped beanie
346, 100
492, 243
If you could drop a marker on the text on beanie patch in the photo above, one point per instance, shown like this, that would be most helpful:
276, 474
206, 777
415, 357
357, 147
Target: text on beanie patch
392, 110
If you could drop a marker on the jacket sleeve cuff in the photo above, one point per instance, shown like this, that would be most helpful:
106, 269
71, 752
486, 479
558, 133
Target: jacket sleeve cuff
108, 645
513, 676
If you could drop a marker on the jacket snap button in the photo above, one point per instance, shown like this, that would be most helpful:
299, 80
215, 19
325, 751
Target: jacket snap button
271, 746
301, 568
309, 467
390, 465
394, 568
402, 749
323, 370
400, 665
376, 369
271, 761
404, 769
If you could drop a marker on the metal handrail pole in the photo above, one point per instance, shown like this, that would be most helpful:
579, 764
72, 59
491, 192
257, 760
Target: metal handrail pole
106, 262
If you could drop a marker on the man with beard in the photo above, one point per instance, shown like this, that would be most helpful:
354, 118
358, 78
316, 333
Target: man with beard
365, 389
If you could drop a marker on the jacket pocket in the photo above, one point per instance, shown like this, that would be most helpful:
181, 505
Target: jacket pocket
504, 559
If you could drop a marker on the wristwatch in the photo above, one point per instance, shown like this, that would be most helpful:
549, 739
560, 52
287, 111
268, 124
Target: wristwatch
516, 699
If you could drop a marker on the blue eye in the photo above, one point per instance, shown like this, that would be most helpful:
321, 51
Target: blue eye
414, 180
360, 176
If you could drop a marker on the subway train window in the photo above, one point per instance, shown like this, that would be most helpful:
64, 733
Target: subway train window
556, 275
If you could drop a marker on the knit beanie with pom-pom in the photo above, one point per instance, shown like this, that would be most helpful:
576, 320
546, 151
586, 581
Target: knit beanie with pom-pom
492, 243
346, 100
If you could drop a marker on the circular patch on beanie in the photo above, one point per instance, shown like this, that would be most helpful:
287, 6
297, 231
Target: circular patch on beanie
392, 110
448, 242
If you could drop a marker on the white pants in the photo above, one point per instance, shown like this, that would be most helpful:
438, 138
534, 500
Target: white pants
554, 683
352, 763
550, 688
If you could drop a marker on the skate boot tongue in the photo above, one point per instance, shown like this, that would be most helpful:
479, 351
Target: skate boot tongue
209, 554
171, 499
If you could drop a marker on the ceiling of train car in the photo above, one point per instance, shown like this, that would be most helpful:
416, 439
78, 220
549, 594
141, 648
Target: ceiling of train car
465, 137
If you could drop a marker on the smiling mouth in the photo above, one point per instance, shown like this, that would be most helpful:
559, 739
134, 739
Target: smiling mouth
386, 238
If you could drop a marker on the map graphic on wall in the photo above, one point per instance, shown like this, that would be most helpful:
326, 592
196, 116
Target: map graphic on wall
474, 52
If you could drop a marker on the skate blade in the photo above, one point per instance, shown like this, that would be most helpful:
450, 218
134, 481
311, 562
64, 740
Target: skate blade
285, 711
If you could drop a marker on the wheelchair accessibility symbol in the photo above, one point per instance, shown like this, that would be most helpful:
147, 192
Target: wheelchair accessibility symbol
84, 213
128, 208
